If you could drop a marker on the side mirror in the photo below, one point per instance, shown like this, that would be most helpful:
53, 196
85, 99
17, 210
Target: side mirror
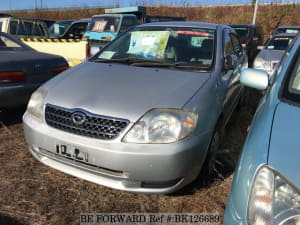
230, 62
255, 78
71, 35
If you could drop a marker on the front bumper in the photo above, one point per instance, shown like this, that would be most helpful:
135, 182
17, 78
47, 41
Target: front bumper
231, 217
140, 168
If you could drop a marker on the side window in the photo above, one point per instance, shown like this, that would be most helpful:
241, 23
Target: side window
13, 27
228, 48
237, 48
36, 30
28, 27
0, 26
77, 30
21, 29
127, 23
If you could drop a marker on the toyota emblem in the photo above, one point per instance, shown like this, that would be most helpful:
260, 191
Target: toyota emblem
78, 118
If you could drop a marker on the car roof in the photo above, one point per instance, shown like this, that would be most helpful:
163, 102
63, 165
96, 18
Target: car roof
75, 20
184, 24
288, 27
23, 18
243, 25
83, 20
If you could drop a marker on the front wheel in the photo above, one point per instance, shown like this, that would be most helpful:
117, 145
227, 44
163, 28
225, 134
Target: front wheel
209, 169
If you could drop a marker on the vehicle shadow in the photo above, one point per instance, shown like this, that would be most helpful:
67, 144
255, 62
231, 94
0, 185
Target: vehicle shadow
11, 117
7, 220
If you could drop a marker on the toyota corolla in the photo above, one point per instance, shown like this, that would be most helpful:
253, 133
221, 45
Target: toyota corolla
146, 112
266, 185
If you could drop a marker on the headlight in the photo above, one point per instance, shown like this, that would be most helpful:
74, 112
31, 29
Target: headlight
36, 102
162, 126
273, 200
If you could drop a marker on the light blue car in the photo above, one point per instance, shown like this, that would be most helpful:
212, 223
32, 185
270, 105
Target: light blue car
266, 186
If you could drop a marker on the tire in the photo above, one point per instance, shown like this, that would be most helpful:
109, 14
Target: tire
209, 169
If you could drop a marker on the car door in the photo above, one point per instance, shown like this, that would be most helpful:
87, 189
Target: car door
232, 50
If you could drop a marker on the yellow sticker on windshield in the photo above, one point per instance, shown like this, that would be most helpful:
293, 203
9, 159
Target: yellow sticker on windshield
149, 44
281, 38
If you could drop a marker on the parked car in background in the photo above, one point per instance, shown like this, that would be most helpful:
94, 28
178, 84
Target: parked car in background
104, 28
251, 36
48, 22
21, 27
68, 29
271, 54
286, 29
144, 114
23, 70
266, 184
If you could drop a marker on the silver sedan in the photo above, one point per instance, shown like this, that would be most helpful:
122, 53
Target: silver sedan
145, 114
268, 58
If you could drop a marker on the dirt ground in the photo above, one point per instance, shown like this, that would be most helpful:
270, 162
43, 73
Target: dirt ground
31, 193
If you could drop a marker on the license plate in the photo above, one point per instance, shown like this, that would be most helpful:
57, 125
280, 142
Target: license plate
72, 152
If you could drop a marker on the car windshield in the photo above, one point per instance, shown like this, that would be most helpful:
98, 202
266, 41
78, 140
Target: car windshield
287, 30
59, 27
279, 43
243, 32
177, 47
104, 24
9, 44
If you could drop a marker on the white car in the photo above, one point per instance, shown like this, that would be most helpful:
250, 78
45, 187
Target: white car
268, 58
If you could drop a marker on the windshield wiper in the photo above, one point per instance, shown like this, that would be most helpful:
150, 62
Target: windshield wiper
127, 60
177, 65
134, 61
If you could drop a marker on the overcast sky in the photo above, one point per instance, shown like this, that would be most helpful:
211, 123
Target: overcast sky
31, 4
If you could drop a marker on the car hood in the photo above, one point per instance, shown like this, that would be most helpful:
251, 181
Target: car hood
284, 152
123, 91
271, 55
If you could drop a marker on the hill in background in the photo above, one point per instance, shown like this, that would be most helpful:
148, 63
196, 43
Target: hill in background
269, 16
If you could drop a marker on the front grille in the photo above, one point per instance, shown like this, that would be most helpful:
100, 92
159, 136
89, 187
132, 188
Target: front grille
94, 126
